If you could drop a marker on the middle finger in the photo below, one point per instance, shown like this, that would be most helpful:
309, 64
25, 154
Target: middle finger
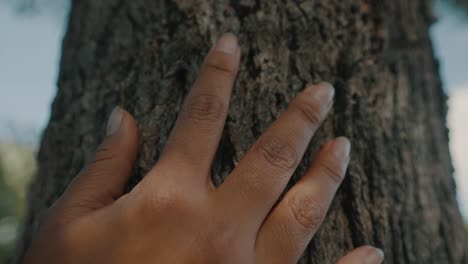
256, 183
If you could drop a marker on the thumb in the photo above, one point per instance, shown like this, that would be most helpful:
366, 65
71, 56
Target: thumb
364, 254
103, 179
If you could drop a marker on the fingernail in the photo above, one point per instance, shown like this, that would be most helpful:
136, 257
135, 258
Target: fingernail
341, 148
227, 43
323, 92
115, 120
376, 257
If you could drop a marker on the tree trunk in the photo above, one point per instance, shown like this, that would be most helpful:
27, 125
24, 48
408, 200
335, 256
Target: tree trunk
143, 55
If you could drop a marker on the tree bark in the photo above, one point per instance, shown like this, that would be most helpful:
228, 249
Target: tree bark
399, 193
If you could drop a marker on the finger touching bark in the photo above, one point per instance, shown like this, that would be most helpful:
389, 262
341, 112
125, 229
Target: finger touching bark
103, 179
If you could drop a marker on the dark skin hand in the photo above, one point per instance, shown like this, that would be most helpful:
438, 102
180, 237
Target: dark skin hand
176, 214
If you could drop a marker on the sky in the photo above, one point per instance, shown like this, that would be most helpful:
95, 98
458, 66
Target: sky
29, 55
450, 40
30, 51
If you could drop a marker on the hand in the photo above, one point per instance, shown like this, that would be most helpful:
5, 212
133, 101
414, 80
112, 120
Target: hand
175, 214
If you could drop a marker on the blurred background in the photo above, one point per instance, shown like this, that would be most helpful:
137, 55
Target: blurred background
30, 48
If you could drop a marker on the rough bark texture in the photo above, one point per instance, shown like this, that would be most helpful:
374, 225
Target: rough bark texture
399, 193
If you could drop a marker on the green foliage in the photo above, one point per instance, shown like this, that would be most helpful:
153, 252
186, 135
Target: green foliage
463, 3
17, 165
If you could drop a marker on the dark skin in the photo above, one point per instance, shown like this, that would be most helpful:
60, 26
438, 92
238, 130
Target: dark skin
176, 214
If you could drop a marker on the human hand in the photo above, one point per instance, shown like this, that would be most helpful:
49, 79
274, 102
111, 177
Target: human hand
176, 214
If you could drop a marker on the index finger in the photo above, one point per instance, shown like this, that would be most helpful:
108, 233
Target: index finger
195, 137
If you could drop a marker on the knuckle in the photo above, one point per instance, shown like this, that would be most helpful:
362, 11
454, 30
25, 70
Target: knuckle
308, 210
164, 201
278, 152
332, 169
310, 111
150, 204
221, 63
103, 153
204, 107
